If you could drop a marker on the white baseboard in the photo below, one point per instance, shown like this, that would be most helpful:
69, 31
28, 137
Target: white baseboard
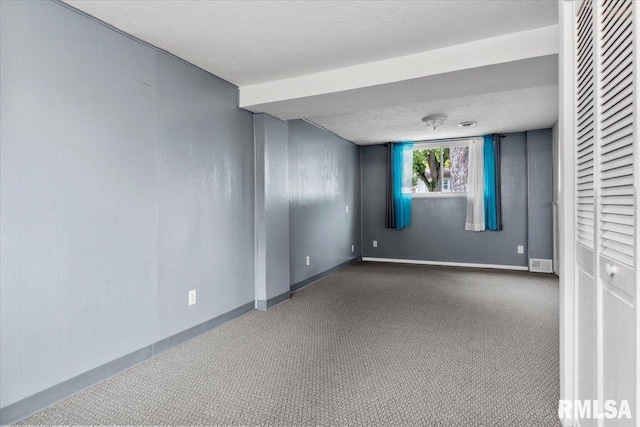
448, 264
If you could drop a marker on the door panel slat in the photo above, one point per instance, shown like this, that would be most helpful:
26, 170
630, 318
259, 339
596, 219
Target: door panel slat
616, 123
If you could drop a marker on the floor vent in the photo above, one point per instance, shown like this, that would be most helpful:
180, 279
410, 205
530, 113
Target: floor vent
541, 265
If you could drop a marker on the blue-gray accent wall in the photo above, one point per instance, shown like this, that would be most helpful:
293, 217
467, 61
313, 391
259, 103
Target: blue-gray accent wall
540, 197
437, 226
127, 179
324, 177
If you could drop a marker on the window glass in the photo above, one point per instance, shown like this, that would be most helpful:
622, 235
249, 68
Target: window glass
459, 168
440, 169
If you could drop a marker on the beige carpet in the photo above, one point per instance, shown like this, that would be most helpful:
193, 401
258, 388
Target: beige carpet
373, 344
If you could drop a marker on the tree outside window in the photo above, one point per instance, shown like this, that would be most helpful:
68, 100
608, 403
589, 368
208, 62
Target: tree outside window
440, 169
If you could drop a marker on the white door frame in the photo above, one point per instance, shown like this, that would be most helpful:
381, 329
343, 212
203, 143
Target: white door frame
566, 198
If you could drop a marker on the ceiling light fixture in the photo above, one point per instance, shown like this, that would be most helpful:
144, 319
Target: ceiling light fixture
468, 124
434, 121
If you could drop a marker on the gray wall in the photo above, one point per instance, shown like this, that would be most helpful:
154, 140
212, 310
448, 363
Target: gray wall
437, 229
272, 208
126, 180
324, 177
540, 200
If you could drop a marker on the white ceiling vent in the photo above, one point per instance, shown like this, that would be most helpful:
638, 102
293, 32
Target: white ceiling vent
541, 265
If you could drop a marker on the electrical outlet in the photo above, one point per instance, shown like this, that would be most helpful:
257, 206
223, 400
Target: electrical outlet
375, 243
347, 210
353, 248
192, 297
308, 261
520, 249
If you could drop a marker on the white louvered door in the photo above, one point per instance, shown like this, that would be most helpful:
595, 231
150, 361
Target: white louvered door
606, 214
585, 129
616, 201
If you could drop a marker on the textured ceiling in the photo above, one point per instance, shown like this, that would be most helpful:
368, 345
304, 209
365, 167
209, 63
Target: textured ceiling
504, 111
504, 97
248, 42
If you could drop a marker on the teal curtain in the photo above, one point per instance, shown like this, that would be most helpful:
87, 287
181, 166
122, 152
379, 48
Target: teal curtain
490, 185
402, 169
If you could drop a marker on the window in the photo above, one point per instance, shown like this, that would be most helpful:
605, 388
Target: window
440, 168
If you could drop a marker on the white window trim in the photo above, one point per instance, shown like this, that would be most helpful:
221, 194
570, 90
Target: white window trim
443, 143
